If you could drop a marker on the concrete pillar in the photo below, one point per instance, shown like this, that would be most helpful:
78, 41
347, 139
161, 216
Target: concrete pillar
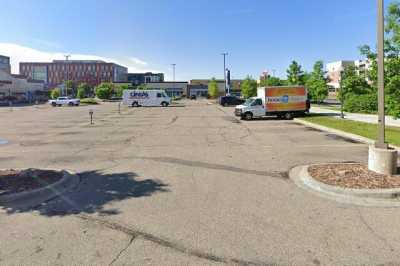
382, 161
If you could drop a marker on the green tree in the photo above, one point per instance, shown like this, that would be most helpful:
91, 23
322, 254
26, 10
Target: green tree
119, 90
249, 87
213, 88
81, 93
317, 83
70, 87
272, 81
295, 75
104, 90
86, 88
392, 60
55, 93
352, 84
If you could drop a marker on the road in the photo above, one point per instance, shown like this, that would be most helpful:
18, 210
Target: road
183, 186
367, 118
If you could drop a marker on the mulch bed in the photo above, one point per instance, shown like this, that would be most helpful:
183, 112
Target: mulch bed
356, 176
14, 181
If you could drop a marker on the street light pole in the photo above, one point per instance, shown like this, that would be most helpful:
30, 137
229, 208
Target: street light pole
173, 75
380, 143
66, 68
224, 54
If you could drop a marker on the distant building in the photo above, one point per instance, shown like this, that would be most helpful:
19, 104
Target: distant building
18, 88
144, 78
92, 72
199, 87
334, 73
5, 64
171, 88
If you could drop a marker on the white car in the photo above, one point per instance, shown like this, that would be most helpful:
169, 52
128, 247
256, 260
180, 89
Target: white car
65, 101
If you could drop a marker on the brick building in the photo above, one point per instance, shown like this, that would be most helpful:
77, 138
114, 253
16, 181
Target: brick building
92, 72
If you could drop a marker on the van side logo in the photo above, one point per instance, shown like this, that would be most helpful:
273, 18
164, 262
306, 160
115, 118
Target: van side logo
139, 95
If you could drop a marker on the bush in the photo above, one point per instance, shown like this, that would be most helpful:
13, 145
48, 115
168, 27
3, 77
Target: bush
81, 93
55, 93
393, 107
364, 103
104, 91
89, 101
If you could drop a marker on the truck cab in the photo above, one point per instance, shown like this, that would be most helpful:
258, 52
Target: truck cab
251, 108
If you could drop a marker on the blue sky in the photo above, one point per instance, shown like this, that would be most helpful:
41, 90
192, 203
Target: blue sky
151, 34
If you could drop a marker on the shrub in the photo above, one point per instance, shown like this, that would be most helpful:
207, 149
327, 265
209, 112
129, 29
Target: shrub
89, 101
104, 91
81, 93
55, 93
393, 107
364, 103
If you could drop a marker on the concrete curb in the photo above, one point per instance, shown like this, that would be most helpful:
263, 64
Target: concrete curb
340, 133
359, 197
28, 199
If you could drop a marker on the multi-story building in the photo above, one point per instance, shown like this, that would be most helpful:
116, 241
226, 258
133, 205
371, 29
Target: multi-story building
5, 64
334, 74
144, 78
92, 72
335, 71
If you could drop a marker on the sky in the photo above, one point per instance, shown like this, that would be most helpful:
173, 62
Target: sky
150, 35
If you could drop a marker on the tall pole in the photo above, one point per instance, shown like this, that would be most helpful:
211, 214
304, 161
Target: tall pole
224, 54
66, 68
173, 75
380, 143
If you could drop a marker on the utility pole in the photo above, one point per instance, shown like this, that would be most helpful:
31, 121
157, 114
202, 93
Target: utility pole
224, 54
380, 143
173, 76
66, 68
381, 159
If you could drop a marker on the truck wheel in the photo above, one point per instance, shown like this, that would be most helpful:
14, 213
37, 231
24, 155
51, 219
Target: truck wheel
288, 116
54, 104
164, 104
225, 104
135, 104
248, 116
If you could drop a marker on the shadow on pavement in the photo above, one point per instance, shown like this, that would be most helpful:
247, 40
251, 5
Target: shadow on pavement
213, 166
95, 190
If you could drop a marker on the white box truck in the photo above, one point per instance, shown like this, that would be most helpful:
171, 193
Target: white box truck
283, 101
136, 98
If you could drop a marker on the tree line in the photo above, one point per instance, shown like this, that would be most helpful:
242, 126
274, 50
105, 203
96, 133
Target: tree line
104, 91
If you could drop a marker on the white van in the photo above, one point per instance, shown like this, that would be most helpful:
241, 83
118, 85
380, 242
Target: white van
136, 98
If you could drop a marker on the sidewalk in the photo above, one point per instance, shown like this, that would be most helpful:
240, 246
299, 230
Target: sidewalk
373, 119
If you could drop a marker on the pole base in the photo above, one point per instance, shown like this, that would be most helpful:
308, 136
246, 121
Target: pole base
382, 161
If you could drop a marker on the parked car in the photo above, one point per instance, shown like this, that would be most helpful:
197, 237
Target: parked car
230, 100
193, 97
64, 101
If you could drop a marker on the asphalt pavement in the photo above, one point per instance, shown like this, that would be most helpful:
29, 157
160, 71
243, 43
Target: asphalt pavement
189, 185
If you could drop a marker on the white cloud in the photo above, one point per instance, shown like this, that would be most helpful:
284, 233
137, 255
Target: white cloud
138, 61
19, 53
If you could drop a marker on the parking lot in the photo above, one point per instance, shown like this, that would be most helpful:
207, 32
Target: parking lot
184, 185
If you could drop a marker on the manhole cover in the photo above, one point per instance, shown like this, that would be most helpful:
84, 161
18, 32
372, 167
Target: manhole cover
3, 141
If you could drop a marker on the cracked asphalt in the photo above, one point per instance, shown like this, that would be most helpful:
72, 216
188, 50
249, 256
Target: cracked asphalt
185, 185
